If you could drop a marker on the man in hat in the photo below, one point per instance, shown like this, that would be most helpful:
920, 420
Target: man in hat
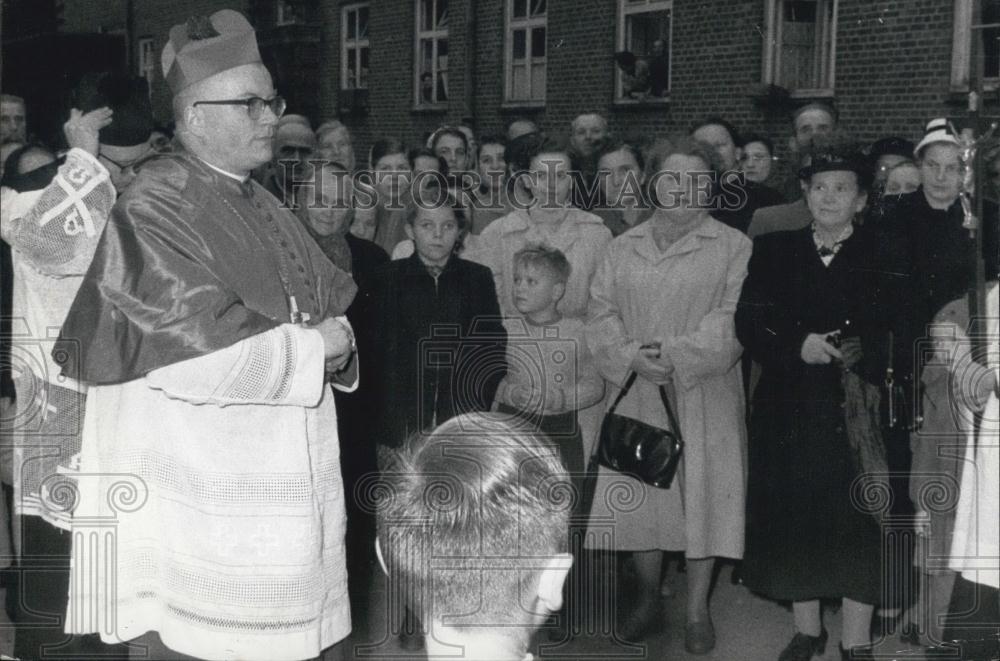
52, 222
209, 326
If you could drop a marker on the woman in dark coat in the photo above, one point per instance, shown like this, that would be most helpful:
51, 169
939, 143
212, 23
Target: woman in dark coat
328, 221
808, 536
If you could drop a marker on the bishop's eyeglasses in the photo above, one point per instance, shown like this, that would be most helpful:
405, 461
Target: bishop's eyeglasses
254, 105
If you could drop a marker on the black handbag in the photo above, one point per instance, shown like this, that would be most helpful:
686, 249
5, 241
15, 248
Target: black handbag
630, 446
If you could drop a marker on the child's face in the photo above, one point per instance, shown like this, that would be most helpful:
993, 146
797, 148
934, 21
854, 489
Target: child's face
434, 233
536, 288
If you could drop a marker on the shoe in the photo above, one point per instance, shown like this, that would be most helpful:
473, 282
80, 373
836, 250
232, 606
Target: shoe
804, 647
859, 653
699, 637
642, 621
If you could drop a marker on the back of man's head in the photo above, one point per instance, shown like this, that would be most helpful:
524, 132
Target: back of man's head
475, 525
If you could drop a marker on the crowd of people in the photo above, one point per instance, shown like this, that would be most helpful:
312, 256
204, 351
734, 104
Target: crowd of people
261, 361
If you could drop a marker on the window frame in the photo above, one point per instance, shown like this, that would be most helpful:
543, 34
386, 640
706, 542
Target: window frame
961, 51
356, 43
772, 48
420, 35
284, 14
624, 11
528, 24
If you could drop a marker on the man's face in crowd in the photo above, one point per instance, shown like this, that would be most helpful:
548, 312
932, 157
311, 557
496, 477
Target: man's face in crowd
12, 119
941, 173
718, 137
589, 131
810, 123
236, 142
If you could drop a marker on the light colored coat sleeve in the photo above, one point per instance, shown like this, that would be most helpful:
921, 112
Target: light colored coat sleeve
612, 348
713, 349
283, 366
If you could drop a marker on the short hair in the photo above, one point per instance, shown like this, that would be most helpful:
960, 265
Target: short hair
757, 137
442, 131
417, 152
683, 145
486, 502
12, 98
544, 256
493, 139
384, 147
715, 120
598, 115
550, 145
330, 126
432, 196
817, 105
622, 145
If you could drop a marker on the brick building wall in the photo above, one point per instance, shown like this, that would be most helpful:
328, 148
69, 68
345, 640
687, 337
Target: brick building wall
892, 64
892, 68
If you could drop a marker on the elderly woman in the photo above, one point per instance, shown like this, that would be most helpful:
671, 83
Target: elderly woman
327, 219
333, 144
815, 314
662, 304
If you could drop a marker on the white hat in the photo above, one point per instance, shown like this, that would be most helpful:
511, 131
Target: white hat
937, 131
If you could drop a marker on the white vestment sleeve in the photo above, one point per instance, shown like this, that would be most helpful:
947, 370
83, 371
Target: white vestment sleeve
283, 367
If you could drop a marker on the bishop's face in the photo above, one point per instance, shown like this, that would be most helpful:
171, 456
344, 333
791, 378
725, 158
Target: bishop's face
232, 139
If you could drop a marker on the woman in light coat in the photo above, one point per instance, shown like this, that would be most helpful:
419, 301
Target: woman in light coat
673, 282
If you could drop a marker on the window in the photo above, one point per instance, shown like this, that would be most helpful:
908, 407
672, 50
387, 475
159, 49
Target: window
147, 60
524, 50
968, 29
285, 13
354, 47
431, 72
643, 57
800, 46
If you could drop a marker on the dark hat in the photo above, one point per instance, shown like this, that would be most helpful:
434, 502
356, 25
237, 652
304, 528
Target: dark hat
207, 45
840, 160
893, 145
128, 98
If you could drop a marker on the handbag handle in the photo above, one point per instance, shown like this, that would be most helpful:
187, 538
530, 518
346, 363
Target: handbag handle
671, 417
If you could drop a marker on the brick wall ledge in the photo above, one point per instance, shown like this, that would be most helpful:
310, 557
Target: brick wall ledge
429, 110
641, 104
522, 106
